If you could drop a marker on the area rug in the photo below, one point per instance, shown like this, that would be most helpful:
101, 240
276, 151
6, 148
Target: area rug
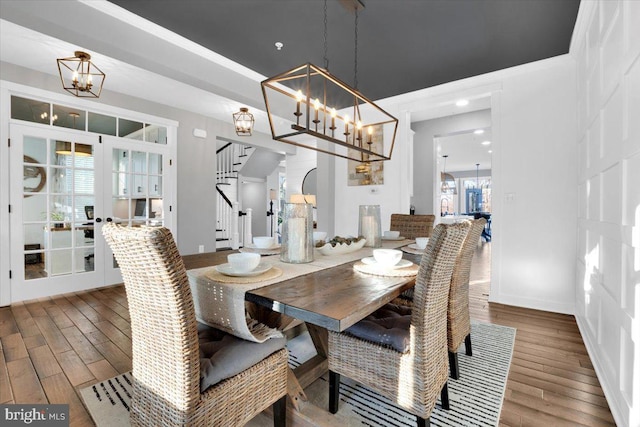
475, 399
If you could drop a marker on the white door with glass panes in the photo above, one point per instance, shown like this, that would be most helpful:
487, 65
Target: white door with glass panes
136, 173
65, 184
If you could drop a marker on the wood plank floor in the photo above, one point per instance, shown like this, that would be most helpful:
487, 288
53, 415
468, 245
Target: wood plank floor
54, 346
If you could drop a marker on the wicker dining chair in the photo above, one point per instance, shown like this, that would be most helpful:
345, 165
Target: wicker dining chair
412, 226
412, 378
167, 346
458, 321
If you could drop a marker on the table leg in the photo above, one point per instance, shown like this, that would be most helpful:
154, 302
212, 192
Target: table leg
320, 338
294, 390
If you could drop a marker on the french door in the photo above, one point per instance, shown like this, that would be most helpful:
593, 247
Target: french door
65, 185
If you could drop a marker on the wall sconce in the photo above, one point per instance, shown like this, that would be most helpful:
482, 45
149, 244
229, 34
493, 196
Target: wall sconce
80, 76
243, 121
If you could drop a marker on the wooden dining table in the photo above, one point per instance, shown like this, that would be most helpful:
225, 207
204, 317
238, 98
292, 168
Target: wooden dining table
331, 299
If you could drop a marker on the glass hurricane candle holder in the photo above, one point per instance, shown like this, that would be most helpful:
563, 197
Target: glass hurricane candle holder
297, 233
369, 225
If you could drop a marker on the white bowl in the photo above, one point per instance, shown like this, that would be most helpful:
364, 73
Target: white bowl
391, 234
263, 242
387, 257
422, 242
243, 262
319, 236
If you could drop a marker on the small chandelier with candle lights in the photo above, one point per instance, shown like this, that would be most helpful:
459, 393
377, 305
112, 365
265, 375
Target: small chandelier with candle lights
243, 121
80, 76
448, 182
307, 104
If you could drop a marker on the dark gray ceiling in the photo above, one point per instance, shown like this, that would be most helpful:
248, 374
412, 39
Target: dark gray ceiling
403, 45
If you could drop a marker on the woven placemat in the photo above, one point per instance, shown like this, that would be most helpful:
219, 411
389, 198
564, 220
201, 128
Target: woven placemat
412, 270
216, 276
409, 250
268, 251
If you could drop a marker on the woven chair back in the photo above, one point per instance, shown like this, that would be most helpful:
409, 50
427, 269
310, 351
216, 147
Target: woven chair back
412, 226
431, 294
458, 322
166, 365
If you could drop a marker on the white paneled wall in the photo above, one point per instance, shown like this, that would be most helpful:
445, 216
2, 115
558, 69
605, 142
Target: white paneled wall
607, 48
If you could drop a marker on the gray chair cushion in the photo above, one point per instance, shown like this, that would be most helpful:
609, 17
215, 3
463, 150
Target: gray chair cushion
388, 326
223, 356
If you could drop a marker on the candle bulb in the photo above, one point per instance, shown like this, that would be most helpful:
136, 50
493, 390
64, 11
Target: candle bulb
316, 105
298, 101
333, 118
359, 130
370, 131
346, 127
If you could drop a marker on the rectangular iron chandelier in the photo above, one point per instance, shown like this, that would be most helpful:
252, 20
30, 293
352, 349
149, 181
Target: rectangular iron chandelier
307, 103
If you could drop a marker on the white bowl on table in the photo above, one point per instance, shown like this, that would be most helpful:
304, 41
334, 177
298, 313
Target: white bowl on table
243, 262
387, 257
391, 234
263, 242
422, 242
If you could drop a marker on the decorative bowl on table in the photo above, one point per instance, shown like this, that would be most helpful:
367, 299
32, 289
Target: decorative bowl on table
243, 262
263, 242
342, 245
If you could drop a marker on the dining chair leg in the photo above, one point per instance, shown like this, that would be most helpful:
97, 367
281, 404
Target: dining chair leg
444, 397
454, 370
334, 391
280, 412
467, 345
422, 422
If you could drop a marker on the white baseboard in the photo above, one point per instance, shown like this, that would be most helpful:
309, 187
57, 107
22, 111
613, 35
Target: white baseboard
611, 392
535, 304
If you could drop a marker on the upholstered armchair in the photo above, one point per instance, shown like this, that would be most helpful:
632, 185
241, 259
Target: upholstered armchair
410, 369
185, 373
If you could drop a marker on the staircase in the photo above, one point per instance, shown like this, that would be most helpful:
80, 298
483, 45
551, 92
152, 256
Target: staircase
233, 226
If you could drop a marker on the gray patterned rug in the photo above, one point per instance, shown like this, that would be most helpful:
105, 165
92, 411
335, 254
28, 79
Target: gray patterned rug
475, 399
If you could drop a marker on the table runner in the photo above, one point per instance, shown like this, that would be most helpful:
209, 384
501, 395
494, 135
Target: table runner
222, 305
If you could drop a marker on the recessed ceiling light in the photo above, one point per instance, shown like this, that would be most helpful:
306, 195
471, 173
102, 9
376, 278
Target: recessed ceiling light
478, 131
490, 151
462, 103
486, 142
279, 45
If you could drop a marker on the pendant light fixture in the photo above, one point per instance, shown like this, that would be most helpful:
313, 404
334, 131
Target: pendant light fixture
447, 182
477, 179
243, 121
307, 105
80, 76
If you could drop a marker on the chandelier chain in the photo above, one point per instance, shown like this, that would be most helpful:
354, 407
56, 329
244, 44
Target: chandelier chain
355, 62
326, 45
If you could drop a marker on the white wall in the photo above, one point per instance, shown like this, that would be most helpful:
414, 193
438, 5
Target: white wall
534, 174
253, 194
606, 44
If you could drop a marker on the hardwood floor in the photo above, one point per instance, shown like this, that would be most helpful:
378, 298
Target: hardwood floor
53, 346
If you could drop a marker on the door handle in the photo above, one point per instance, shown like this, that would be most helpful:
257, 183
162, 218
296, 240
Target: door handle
98, 219
109, 219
